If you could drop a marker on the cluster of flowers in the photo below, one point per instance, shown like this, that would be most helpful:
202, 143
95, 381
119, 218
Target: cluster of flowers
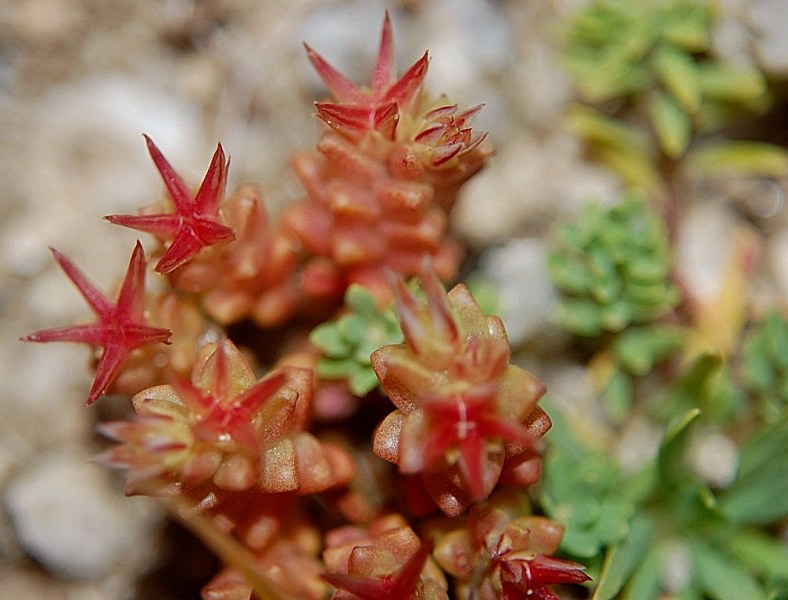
258, 458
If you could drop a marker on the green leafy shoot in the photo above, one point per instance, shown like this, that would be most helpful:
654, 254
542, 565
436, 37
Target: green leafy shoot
348, 341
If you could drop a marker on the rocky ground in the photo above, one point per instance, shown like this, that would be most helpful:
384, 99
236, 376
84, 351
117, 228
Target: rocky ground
80, 80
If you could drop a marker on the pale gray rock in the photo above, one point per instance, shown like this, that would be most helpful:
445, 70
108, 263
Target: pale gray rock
769, 20
67, 516
529, 184
706, 249
525, 293
715, 458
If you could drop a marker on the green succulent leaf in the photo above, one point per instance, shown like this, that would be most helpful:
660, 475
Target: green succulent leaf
687, 25
581, 317
612, 267
596, 127
644, 584
617, 396
569, 274
670, 460
731, 83
347, 342
765, 365
329, 339
640, 348
678, 72
329, 368
671, 124
738, 158
359, 300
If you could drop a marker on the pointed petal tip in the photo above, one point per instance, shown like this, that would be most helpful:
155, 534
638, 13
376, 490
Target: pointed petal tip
92, 398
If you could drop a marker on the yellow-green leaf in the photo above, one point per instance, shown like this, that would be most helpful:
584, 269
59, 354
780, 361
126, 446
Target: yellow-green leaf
678, 72
739, 158
597, 128
671, 124
688, 27
731, 83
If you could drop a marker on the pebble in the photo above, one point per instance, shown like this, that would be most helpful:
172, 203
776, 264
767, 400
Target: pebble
769, 19
526, 296
527, 186
68, 517
704, 252
715, 458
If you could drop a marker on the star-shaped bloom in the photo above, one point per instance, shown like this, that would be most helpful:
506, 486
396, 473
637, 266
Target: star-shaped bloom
196, 222
224, 415
465, 422
378, 107
448, 133
121, 326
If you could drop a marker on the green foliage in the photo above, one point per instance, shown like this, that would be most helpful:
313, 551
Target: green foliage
348, 342
760, 493
582, 489
640, 524
651, 62
706, 383
765, 365
738, 158
612, 267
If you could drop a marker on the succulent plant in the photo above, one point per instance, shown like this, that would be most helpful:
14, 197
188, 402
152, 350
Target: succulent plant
195, 222
465, 417
255, 277
500, 551
689, 541
227, 430
121, 327
657, 55
385, 174
613, 269
586, 492
348, 342
382, 560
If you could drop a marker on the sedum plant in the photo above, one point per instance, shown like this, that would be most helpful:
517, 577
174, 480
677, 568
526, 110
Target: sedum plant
465, 417
347, 343
311, 401
266, 451
653, 91
613, 267
700, 515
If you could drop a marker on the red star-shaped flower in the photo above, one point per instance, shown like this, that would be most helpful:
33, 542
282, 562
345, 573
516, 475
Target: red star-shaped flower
195, 223
400, 585
121, 327
466, 422
225, 415
449, 132
377, 108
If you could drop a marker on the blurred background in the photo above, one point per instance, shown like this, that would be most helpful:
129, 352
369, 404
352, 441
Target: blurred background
81, 80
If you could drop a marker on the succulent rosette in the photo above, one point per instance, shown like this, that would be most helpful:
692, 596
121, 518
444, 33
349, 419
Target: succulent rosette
228, 430
465, 417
